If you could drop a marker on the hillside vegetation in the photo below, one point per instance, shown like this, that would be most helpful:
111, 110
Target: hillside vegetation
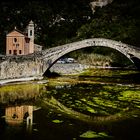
58, 22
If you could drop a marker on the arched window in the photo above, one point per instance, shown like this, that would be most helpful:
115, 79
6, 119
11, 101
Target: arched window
15, 39
30, 32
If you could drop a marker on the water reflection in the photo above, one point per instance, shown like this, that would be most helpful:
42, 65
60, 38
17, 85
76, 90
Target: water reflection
19, 114
17, 107
69, 110
19, 93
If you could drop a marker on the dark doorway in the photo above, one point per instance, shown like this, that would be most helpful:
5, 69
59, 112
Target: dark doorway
15, 52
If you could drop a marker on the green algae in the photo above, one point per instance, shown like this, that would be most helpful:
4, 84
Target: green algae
111, 76
92, 134
20, 88
107, 72
89, 134
100, 99
57, 121
91, 110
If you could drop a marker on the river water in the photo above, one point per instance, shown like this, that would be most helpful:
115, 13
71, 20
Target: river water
97, 105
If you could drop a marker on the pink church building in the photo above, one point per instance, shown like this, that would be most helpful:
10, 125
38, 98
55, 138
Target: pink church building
19, 43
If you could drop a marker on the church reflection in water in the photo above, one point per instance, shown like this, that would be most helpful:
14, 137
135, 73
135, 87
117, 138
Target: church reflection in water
16, 106
19, 114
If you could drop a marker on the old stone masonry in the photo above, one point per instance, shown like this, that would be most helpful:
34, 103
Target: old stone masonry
37, 64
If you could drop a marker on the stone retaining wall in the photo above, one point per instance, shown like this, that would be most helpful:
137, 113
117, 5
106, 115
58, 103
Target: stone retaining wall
18, 69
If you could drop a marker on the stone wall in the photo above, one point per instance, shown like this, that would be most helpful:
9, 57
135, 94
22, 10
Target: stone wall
37, 48
20, 68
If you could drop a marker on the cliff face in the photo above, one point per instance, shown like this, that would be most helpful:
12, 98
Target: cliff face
99, 3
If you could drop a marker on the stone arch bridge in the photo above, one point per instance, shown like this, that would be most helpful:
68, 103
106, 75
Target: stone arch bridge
37, 64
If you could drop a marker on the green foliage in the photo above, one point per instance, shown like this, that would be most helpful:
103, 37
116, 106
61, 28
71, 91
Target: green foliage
69, 20
101, 56
72, 20
122, 30
115, 22
55, 21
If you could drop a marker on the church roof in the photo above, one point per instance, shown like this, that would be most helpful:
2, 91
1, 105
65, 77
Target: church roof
22, 33
15, 29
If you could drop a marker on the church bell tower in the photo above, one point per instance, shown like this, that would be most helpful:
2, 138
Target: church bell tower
31, 36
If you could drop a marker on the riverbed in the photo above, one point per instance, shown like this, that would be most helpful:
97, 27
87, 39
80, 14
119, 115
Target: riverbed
97, 104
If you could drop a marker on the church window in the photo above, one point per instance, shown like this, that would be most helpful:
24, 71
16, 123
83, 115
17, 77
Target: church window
30, 32
15, 39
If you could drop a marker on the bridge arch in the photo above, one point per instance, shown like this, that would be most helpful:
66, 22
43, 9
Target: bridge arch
52, 55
